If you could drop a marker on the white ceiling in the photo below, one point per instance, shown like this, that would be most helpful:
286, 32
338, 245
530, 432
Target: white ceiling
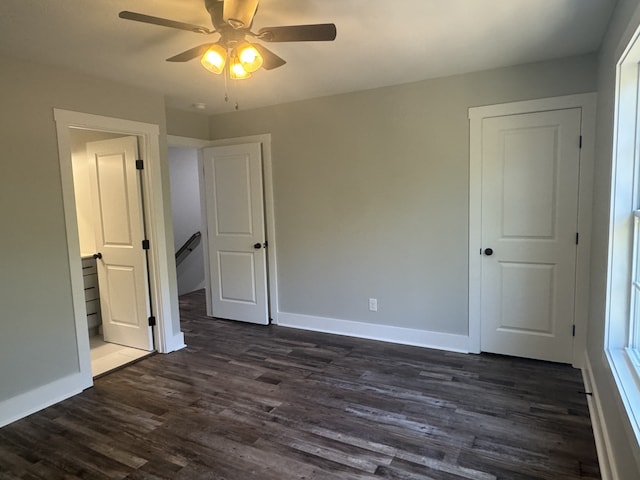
379, 42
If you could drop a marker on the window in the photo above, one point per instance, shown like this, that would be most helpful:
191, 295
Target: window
633, 342
622, 334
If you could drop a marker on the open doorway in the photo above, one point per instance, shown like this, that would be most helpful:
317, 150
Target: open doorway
187, 158
163, 300
108, 200
187, 218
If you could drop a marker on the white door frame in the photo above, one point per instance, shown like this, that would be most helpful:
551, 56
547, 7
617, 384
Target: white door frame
272, 265
162, 284
587, 102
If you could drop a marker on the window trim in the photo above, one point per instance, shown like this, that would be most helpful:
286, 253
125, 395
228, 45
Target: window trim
623, 360
633, 336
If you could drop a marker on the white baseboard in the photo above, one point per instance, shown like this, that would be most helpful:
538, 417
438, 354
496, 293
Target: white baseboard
372, 331
42, 397
175, 343
598, 423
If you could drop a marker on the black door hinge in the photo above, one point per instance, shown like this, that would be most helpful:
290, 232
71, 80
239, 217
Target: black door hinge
577, 238
573, 330
139, 164
145, 245
152, 321
580, 142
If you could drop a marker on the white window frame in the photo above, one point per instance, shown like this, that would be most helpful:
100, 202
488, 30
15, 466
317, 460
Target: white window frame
622, 332
633, 345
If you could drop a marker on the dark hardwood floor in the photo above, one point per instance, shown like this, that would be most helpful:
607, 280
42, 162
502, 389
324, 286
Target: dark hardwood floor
249, 402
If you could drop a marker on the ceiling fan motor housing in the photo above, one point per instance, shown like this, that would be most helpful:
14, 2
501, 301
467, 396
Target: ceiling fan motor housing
215, 8
235, 14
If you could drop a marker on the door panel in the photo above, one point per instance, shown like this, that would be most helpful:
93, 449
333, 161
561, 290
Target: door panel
530, 173
232, 188
114, 220
237, 277
235, 217
526, 310
122, 270
121, 283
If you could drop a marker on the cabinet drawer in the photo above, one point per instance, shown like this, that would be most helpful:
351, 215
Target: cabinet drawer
90, 281
93, 320
93, 306
89, 266
91, 293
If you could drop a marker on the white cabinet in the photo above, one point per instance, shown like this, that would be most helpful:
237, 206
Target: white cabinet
91, 294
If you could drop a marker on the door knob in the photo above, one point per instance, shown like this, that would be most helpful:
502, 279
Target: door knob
97, 256
257, 246
488, 252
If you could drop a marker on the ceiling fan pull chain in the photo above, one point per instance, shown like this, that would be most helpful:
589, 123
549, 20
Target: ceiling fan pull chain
226, 86
234, 94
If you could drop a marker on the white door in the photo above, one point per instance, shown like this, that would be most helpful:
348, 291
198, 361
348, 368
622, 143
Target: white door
122, 270
234, 204
530, 174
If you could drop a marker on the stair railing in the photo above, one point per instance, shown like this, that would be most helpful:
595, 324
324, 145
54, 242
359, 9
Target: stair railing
188, 247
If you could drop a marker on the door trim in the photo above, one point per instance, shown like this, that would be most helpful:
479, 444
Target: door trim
270, 226
586, 102
164, 304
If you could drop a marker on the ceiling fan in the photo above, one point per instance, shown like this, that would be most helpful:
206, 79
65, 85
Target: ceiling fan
236, 48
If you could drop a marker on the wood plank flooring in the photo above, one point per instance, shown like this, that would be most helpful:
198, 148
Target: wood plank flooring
249, 402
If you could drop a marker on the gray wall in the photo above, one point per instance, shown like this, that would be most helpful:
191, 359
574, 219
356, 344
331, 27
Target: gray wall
186, 212
627, 454
371, 192
187, 124
38, 343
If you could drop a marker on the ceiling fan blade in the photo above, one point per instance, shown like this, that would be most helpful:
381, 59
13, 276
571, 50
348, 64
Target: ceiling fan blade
269, 59
191, 53
299, 33
239, 13
164, 22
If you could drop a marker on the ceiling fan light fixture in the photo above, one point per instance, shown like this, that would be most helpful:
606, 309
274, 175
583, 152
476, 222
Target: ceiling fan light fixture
249, 57
214, 58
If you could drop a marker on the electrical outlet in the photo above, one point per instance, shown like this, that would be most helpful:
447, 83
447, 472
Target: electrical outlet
373, 304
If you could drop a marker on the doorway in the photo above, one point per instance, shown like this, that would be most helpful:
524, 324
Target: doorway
162, 297
269, 255
187, 218
530, 169
531, 166
111, 228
